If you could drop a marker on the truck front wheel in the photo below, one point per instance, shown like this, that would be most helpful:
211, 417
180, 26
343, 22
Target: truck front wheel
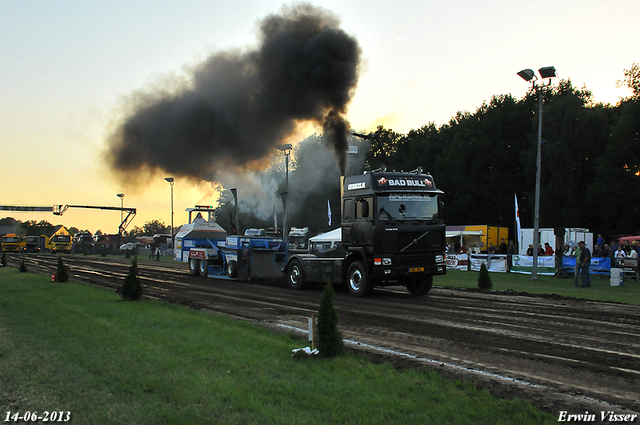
358, 283
419, 285
295, 275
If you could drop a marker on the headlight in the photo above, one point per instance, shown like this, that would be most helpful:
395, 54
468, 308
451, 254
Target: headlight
439, 258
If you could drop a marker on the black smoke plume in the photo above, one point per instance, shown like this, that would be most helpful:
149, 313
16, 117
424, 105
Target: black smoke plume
238, 105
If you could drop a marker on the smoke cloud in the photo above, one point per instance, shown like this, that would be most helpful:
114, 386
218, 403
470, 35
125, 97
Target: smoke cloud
239, 105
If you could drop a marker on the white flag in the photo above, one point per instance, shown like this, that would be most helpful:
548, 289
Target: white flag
329, 211
518, 228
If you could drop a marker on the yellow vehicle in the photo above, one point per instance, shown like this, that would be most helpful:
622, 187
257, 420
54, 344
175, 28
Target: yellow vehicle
12, 243
61, 243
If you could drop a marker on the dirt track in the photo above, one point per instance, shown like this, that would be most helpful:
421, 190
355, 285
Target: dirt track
562, 354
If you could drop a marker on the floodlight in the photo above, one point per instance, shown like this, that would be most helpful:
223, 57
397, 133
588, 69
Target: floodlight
169, 179
527, 74
547, 72
284, 147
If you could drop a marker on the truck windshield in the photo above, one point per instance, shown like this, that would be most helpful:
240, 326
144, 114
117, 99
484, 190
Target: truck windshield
408, 206
10, 239
62, 238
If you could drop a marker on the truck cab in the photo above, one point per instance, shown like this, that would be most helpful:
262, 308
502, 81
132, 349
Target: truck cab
12, 243
392, 233
61, 243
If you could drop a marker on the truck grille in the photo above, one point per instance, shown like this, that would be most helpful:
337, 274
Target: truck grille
432, 243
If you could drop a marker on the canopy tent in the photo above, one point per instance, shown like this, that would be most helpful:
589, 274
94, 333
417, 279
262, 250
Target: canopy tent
465, 237
331, 236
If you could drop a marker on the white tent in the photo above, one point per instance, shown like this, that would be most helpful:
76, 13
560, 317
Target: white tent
334, 235
465, 237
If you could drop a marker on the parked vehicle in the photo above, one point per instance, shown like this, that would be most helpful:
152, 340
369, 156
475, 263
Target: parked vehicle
12, 243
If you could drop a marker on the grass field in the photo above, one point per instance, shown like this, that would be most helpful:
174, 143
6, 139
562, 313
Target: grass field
600, 289
76, 348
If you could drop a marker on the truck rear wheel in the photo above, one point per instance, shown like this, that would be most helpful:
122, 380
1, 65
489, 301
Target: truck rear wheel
295, 275
358, 282
419, 285
203, 268
193, 266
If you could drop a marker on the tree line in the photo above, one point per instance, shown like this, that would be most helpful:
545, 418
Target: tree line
43, 227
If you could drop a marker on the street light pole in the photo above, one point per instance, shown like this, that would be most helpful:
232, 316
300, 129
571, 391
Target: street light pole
286, 149
528, 75
171, 181
121, 196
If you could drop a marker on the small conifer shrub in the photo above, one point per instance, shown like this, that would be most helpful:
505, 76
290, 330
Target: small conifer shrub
23, 266
131, 288
61, 272
484, 281
329, 336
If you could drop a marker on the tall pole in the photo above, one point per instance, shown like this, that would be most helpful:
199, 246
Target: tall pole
121, 196
171, 181
286, 209
529, 75
286, 149
536, 214
171, 213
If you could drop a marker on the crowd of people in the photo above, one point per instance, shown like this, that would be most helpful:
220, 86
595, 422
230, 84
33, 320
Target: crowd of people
617, 249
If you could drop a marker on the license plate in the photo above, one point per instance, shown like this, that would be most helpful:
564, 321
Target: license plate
416, 269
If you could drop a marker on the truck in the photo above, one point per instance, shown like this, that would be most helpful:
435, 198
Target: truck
61, 243
211, 252
298, 238
12, 243
392, 233
32, 243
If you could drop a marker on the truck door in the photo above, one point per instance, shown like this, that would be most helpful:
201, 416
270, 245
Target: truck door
357, 227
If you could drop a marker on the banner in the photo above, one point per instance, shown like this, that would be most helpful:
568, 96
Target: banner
494, 263
457, 261
524, 264
598, 265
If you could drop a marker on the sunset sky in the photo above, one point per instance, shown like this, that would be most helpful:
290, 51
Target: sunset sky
69, 68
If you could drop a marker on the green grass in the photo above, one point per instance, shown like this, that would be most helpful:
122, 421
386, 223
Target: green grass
600, 289
73, 347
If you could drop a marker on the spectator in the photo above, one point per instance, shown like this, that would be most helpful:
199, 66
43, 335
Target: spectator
600, 240
511, 251
606, 251
491, 250
625, 247
530, 250
577, 252
502, 249
585, 262
547, 249
567, 250
620, 252
614, 245
597, 252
